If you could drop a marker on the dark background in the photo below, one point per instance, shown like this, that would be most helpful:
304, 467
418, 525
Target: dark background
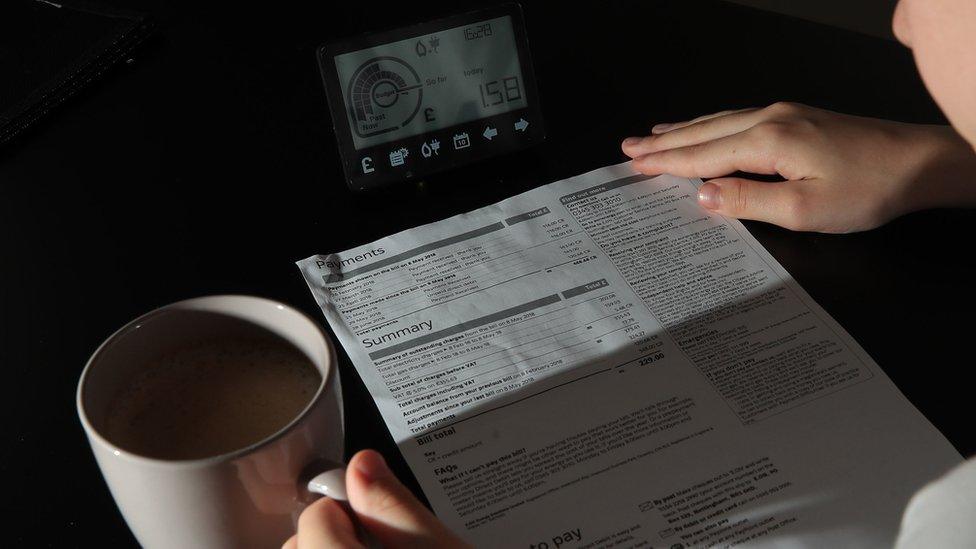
207, 165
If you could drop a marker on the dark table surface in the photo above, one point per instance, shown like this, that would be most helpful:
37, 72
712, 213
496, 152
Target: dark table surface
207, 165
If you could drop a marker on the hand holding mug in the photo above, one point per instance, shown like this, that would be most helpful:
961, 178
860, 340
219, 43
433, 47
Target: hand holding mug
380, 505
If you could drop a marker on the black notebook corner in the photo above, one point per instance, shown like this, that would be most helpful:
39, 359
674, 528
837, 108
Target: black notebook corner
50, 50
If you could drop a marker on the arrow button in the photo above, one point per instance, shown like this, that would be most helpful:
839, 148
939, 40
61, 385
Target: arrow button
490, 132
521, 124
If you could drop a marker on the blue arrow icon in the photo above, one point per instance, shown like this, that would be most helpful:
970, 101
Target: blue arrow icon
521, 124
490, 132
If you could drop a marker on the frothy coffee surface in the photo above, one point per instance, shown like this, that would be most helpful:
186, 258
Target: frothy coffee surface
212, 398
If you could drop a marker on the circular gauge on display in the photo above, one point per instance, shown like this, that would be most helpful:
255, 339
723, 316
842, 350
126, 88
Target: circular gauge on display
384, 94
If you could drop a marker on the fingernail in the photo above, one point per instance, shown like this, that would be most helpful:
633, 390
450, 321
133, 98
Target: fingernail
661, 128
372, 466
709, 196
632, 141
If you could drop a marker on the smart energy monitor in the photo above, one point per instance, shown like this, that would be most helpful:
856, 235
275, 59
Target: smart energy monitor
431, 97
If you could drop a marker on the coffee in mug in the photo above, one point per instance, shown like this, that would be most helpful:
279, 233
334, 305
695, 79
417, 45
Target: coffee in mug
212, 397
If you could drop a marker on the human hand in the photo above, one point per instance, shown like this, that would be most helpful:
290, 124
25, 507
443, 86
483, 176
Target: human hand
844, 173
384, 507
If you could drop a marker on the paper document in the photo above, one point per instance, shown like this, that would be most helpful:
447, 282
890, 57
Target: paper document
600, 362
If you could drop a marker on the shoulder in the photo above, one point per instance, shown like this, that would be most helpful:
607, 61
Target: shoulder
941, 514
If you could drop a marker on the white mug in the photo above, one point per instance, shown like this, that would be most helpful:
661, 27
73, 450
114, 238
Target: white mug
249, 497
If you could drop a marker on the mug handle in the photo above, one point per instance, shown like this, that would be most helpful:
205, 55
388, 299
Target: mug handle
331, 484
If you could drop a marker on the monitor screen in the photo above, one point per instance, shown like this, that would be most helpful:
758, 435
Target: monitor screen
430, 82
431, 97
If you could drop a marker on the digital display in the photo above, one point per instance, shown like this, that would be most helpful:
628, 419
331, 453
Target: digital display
433, 96
431, 82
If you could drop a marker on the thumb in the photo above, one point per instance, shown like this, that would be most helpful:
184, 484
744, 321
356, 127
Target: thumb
777, 203
387, 509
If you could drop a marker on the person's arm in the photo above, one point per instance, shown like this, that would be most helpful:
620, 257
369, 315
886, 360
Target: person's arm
844, 173
383, 506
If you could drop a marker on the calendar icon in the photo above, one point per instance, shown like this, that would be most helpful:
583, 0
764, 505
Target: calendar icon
461, 141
